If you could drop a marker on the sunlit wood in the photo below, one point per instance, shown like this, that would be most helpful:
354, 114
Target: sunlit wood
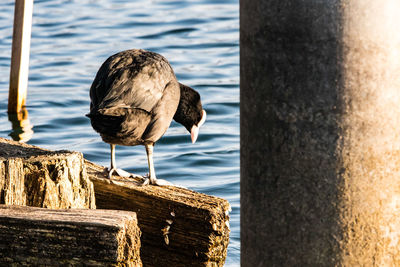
179, 227
70, 237
20, 55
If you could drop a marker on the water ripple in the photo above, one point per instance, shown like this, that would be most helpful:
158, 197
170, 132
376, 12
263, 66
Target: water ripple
200, 38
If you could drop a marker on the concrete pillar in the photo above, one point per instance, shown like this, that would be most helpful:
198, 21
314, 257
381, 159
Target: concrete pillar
320, 132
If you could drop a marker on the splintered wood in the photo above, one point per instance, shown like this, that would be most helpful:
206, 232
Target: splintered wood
37, 177
179, 227
36, 236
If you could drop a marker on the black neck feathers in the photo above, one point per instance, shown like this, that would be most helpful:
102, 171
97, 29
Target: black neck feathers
189, 110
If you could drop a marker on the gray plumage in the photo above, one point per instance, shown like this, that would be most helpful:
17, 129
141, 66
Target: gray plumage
134, 97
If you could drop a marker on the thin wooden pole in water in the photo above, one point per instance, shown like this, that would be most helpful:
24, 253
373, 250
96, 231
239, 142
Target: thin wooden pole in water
20, 55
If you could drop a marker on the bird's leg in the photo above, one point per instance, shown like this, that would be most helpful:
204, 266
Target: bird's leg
152, 173
113, 165
114, 168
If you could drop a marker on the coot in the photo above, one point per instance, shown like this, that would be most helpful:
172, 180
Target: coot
134, 98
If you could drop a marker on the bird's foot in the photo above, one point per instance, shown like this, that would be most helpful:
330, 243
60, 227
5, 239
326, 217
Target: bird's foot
155, 181
122, 173
162, 182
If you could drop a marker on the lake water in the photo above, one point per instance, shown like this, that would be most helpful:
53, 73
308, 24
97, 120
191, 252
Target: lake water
200, 38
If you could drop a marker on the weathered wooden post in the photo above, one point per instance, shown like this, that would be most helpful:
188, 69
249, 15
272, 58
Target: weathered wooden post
73, 237
179, 227
20, 55
48, 179
320, 140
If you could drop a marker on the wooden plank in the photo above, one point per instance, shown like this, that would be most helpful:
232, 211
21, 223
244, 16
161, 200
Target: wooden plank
20, 55
179, 227
37, 177
37, 236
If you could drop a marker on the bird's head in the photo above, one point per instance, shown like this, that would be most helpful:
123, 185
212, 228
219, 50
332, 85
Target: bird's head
190, 112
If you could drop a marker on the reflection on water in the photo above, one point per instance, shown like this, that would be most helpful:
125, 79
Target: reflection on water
72, 38
21, 126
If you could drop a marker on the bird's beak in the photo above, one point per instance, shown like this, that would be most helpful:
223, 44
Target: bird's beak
194, 132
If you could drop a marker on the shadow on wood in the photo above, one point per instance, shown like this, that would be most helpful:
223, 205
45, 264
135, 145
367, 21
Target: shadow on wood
37, 236
179, 227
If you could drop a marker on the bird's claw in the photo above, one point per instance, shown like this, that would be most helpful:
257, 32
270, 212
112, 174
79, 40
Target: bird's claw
122, 173
146, 181
154, 181
110, 172
162, 182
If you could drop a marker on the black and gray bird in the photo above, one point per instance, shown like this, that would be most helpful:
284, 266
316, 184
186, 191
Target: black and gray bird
134, 98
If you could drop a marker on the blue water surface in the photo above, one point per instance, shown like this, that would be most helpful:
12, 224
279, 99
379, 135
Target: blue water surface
200, 38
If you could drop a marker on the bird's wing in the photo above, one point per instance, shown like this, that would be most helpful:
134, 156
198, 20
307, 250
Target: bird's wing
131, 81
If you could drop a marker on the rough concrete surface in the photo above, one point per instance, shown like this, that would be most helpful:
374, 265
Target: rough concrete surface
319, 133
